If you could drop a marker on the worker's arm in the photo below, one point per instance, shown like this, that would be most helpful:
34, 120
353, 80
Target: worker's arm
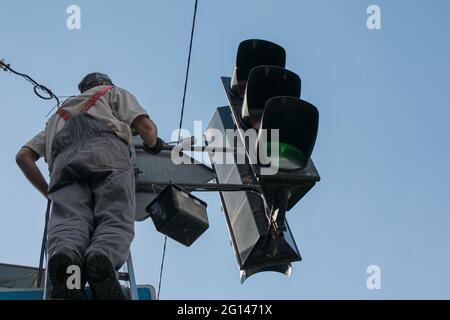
127, 109
147, 130
26, 160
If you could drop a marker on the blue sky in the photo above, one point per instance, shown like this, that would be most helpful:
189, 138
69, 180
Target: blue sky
382, 149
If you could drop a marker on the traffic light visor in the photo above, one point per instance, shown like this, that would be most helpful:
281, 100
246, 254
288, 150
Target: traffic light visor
297, 122
264, 83
252, 53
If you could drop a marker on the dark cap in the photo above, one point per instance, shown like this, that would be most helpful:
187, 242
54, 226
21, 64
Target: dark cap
93, 80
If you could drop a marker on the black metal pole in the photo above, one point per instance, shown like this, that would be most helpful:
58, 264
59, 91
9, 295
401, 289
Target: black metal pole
203, 187
44, 238
197, 149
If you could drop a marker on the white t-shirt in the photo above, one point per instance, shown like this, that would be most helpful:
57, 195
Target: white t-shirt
118, 108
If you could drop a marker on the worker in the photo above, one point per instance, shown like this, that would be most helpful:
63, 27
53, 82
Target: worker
92, 184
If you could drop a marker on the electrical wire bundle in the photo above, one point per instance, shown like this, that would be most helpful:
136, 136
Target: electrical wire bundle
40, 90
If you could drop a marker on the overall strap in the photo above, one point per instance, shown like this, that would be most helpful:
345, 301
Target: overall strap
92, 100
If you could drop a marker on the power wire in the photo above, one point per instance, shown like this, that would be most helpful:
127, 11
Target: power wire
162, 267
164, 250
59, 105
187, 69
180, 126
40, 90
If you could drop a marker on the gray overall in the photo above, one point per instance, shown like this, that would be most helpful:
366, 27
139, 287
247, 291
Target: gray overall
92, 189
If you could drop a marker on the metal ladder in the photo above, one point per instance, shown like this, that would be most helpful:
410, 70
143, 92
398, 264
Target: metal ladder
43, 281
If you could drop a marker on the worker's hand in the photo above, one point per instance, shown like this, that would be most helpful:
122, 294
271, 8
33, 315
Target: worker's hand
156, 149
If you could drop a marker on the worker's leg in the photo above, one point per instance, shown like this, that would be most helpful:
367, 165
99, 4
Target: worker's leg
71, 222
113, 188
112, 185
69, 230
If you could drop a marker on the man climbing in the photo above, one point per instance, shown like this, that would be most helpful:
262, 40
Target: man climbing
92, 185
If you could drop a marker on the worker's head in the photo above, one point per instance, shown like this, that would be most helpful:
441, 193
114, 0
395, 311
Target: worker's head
93, 80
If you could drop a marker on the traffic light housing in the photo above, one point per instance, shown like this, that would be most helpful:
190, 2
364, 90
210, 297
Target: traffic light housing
264, 96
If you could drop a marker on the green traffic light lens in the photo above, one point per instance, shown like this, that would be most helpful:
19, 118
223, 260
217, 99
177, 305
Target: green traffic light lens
290, 157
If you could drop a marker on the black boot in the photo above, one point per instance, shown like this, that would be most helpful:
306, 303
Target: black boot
102, 278
57, 269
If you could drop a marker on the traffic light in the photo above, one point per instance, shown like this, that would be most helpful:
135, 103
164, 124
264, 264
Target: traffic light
265, 96
253, 53
265, 82
297, 122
